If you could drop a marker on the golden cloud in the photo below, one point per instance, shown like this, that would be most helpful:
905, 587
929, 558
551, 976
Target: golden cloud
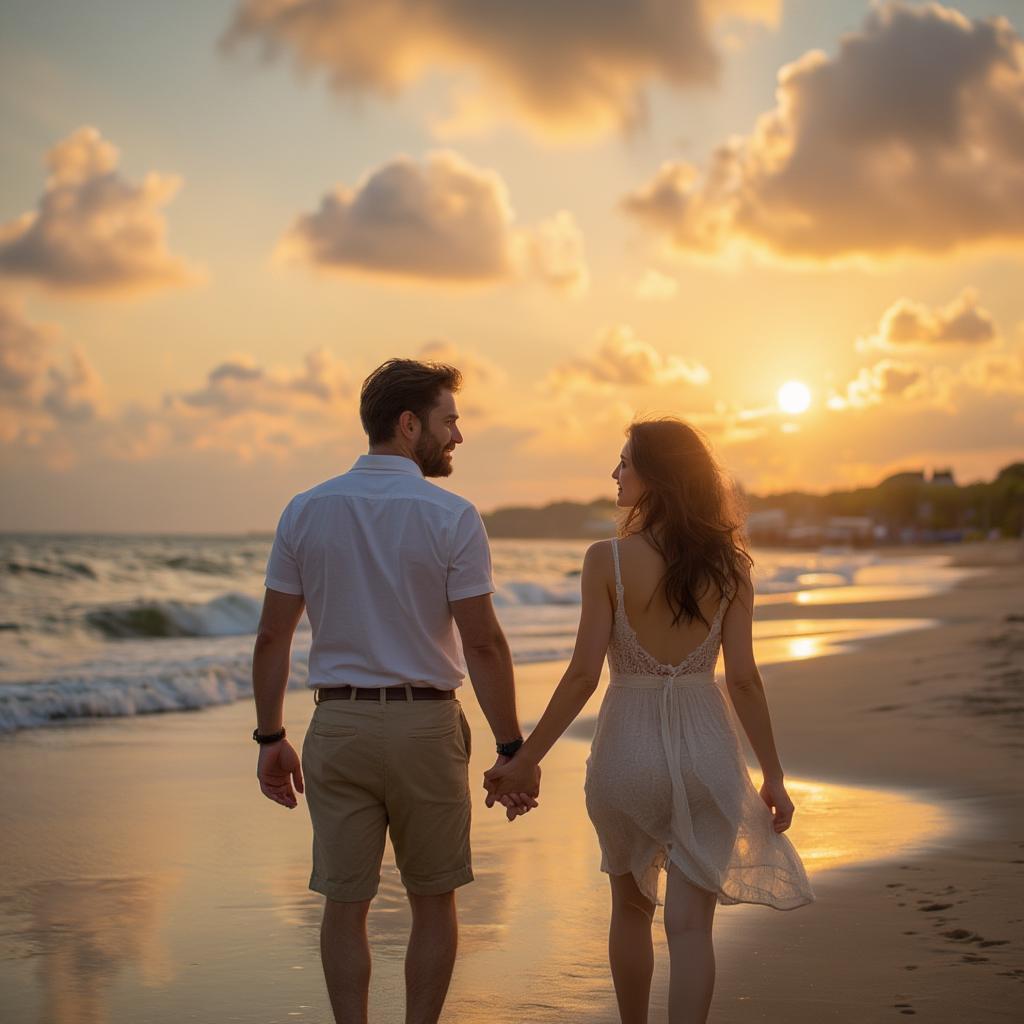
239, 386
908, 324
999, 373
442, 220
909, 140
623, 360
555, 253
576, 67
37, 393
887, 379
92, 231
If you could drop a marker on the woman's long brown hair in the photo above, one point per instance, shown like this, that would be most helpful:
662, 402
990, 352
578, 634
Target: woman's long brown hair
689, 513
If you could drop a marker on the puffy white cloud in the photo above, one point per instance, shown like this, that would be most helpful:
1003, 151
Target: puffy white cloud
442, 220
37, 394
576, 67
239, 386
23, 355
623, 360
247, 410
888, 378
909, 140
92, 230
75, 394
908, 324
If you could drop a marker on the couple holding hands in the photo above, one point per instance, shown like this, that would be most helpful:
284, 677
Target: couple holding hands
387, 565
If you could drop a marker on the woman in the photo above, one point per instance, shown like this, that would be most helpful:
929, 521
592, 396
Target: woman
667, 786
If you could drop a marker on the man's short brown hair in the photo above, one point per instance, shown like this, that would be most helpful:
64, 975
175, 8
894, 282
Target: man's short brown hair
402, 385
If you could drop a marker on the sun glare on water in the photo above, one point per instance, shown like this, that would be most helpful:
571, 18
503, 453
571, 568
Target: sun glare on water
794, 397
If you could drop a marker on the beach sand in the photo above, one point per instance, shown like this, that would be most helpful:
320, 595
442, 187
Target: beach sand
146, 879
938, 713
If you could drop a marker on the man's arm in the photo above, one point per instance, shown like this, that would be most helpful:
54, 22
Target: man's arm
490, 670
490, 664
278, 766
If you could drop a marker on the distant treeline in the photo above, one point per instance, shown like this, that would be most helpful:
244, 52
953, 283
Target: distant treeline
906, 501
909, 501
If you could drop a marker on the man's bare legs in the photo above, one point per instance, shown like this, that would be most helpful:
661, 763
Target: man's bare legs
631, 948
430, 957
689, 915
345, 953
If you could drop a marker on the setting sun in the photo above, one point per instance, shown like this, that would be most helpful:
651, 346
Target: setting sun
794, 397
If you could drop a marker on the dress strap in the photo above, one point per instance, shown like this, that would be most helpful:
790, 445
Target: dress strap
722, 605
727, 595
615, 559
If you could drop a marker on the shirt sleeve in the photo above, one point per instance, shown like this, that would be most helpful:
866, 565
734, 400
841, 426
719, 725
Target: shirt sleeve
469, 564
282, 566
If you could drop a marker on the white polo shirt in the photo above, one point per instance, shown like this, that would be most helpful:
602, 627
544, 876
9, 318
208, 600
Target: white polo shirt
378, 553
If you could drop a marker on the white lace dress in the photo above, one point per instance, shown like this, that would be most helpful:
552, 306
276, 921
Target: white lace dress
667, 782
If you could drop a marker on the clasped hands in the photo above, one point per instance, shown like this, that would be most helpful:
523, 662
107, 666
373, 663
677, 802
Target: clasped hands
513, 782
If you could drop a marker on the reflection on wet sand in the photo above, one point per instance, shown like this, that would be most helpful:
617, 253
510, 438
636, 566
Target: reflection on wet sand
782, 640
83, 933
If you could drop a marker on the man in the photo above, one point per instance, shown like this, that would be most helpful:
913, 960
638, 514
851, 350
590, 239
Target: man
384, 562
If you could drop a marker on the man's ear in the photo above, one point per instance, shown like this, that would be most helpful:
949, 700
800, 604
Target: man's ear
409, 425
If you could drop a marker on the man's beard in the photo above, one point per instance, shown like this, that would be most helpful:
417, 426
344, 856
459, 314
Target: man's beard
432, 457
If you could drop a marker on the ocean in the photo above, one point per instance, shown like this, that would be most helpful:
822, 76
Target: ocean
105, 626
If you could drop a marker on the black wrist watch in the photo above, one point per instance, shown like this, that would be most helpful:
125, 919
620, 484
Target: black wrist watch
509, 749
270, 737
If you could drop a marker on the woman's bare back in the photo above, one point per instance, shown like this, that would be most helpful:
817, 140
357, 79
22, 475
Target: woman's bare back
648, 611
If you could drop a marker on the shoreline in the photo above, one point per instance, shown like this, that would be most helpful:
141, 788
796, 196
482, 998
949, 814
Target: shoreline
194, 672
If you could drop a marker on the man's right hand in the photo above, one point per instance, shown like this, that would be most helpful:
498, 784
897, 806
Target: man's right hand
278, 769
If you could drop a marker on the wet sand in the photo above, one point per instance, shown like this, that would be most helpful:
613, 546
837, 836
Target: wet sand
146, 880
940, 714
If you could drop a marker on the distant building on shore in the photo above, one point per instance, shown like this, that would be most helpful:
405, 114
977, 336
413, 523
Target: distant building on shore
909, 507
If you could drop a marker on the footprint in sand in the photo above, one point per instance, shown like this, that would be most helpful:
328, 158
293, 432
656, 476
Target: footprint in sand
963, 935
935, 906
904, 1008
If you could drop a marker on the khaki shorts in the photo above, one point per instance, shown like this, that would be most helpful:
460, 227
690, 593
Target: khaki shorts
399, 766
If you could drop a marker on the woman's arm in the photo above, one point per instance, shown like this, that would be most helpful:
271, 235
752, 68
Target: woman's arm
743, 681
577, 684
746, 691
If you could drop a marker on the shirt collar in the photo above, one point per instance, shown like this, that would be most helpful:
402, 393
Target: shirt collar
387, 464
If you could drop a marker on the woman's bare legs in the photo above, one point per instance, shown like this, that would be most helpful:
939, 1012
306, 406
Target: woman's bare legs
689, 915
631, 948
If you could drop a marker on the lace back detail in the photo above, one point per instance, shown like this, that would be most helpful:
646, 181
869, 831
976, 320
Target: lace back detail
626, 656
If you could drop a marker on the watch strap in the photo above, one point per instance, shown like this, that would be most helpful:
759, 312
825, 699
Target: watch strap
270, 737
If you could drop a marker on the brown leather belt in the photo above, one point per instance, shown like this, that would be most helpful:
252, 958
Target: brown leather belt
323, 693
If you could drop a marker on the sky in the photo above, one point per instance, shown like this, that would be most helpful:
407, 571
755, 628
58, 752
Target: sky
217, 217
